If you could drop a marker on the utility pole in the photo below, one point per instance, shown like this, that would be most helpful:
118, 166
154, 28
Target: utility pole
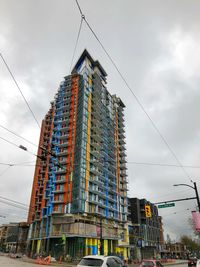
197, 195
17, 240
101, 238
195, 189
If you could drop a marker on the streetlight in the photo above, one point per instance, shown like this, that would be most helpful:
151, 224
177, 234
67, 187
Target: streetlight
195, 189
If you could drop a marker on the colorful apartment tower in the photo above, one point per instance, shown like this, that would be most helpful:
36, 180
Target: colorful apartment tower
79, 197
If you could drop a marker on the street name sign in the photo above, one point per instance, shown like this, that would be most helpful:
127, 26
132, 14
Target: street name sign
166, 205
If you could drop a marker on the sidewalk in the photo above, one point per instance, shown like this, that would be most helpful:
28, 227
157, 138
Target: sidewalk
175, 262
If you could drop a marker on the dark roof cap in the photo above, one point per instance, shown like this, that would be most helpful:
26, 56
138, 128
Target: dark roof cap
95, 63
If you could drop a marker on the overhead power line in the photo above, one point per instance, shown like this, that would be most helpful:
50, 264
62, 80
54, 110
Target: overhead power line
11, 143
12, 132
18, 146
14, 201
4, 171
37, 156
13, 205
162, 164
77, 39
16, 83
132, 92
17, 165
129, 162
176, 212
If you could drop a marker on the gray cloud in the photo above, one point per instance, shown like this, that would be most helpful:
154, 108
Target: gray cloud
155, 44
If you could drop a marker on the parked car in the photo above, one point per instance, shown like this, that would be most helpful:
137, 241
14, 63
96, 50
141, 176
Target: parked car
151, 263
192, 262
103, 261
198, 263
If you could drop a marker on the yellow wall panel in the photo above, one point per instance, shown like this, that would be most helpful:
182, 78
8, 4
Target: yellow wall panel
38, 246
105, 247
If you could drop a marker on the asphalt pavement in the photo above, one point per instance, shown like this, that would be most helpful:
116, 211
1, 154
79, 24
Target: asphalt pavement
7, 262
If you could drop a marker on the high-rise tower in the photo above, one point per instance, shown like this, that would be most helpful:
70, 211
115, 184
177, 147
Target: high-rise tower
79, 195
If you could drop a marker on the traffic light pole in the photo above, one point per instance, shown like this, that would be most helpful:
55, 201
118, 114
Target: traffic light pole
183, 199
195, 189
101, 238
197, 195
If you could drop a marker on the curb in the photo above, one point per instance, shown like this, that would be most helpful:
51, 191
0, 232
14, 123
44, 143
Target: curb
175, 263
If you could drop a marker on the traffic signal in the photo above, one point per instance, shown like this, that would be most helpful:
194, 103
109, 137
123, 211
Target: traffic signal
148, 211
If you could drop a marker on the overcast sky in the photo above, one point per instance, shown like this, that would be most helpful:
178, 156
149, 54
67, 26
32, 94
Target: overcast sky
154, 43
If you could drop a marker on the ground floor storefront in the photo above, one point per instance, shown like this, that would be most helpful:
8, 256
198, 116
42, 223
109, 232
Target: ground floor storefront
76, 247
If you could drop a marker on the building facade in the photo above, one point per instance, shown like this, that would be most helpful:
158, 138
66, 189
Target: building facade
13, 237
146, 231
175, 250
79, 197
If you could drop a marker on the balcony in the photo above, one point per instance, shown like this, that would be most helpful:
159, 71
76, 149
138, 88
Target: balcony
60, 171
65, 144
123, 188
93, 201
59, 201
59, 191
65, 128
123, 167
57, 212
123, 181
62, 181
61, 153
64, 136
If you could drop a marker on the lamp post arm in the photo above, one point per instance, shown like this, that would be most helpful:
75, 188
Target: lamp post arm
196, 192
185, 185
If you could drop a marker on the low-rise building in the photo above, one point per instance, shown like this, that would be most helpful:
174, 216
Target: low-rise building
146, 231
13, 237
175, 250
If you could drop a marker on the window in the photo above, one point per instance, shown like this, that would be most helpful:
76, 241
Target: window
111, 262
91, 262
119, 262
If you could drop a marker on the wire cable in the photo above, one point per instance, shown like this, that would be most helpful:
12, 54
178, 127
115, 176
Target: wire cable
176, 212
25, 149
20, 146
134, 95
162, 164
137, 163
77, 39
79, 8
11, 143
129, 162
13, 205
16, 164
10, 131
11, 74
174, 193
4, 171
14, 201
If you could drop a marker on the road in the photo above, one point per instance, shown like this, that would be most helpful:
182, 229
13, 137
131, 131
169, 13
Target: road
7, 262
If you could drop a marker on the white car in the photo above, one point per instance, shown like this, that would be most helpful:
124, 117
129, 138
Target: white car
103, 261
